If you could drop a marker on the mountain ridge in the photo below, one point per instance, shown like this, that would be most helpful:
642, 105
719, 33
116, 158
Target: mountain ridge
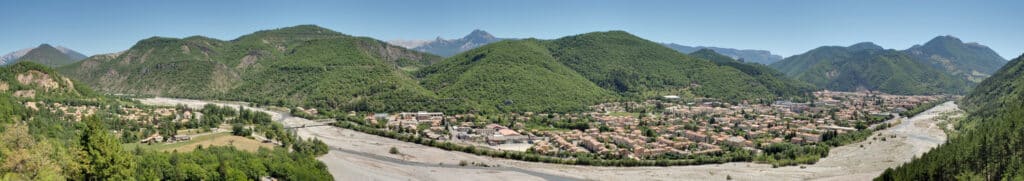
69, 55
748, 55
866, 66
450, 47
303, 65
970, 60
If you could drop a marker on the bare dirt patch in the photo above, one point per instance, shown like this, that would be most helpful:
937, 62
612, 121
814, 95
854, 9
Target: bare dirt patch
25, 93
38, 78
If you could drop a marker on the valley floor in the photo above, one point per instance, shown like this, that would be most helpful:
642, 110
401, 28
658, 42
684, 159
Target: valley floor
358, 156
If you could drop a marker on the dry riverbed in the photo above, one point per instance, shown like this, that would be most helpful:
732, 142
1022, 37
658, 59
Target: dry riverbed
358, 156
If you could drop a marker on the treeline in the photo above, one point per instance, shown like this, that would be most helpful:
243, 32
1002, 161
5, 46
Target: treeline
921, 108
786, 154
261, 122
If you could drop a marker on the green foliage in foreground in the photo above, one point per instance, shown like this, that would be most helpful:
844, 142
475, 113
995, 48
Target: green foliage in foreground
227, 163
47, 145
100, 156
993, 149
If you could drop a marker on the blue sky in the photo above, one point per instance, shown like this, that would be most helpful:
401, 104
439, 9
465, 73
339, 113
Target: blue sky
783, 27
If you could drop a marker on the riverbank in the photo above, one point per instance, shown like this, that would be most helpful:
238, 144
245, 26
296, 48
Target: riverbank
360, 156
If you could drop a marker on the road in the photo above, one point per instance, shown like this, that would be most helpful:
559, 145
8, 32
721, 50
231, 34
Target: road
359, 156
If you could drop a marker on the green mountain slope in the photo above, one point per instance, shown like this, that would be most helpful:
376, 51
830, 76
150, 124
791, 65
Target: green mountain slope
47, 55
32, 80
516, 76
866, 66
333, 73
635, 67
993, 149
302, 65
570, 73
772, 79
970, 60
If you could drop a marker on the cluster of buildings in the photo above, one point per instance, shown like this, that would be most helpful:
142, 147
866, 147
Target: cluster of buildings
670, 126
706, 126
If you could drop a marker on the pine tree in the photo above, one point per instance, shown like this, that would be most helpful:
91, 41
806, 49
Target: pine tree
104, 157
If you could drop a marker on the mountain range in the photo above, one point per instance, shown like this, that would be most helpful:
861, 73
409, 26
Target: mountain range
44, 54
449, 47
866, 66
311, 66
303, 65
944, 65
315, 67
754, 56
969, 60
552, 75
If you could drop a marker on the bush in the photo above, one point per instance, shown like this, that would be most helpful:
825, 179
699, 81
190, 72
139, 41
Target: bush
393, 150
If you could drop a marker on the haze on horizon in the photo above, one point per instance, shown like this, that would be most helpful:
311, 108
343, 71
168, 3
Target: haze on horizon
785, 28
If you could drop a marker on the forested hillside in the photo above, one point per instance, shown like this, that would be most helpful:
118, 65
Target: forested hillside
993, 148
302, 65
513, 76
866, 66
314, 67
638, 68
774, 80
969, 60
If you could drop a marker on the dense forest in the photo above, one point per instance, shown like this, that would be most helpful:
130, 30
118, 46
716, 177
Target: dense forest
992, 149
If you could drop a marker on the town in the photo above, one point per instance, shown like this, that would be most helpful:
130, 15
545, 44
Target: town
668, 127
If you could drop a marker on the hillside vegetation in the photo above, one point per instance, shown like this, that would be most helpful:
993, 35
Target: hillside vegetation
638, 68
866, 66
42, 137
513, 76
570, 73
302, 65
775, 81
969, 60
992, 149
310, 66
49, 56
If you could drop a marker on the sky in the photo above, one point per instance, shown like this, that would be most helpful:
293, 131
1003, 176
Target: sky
783, 27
